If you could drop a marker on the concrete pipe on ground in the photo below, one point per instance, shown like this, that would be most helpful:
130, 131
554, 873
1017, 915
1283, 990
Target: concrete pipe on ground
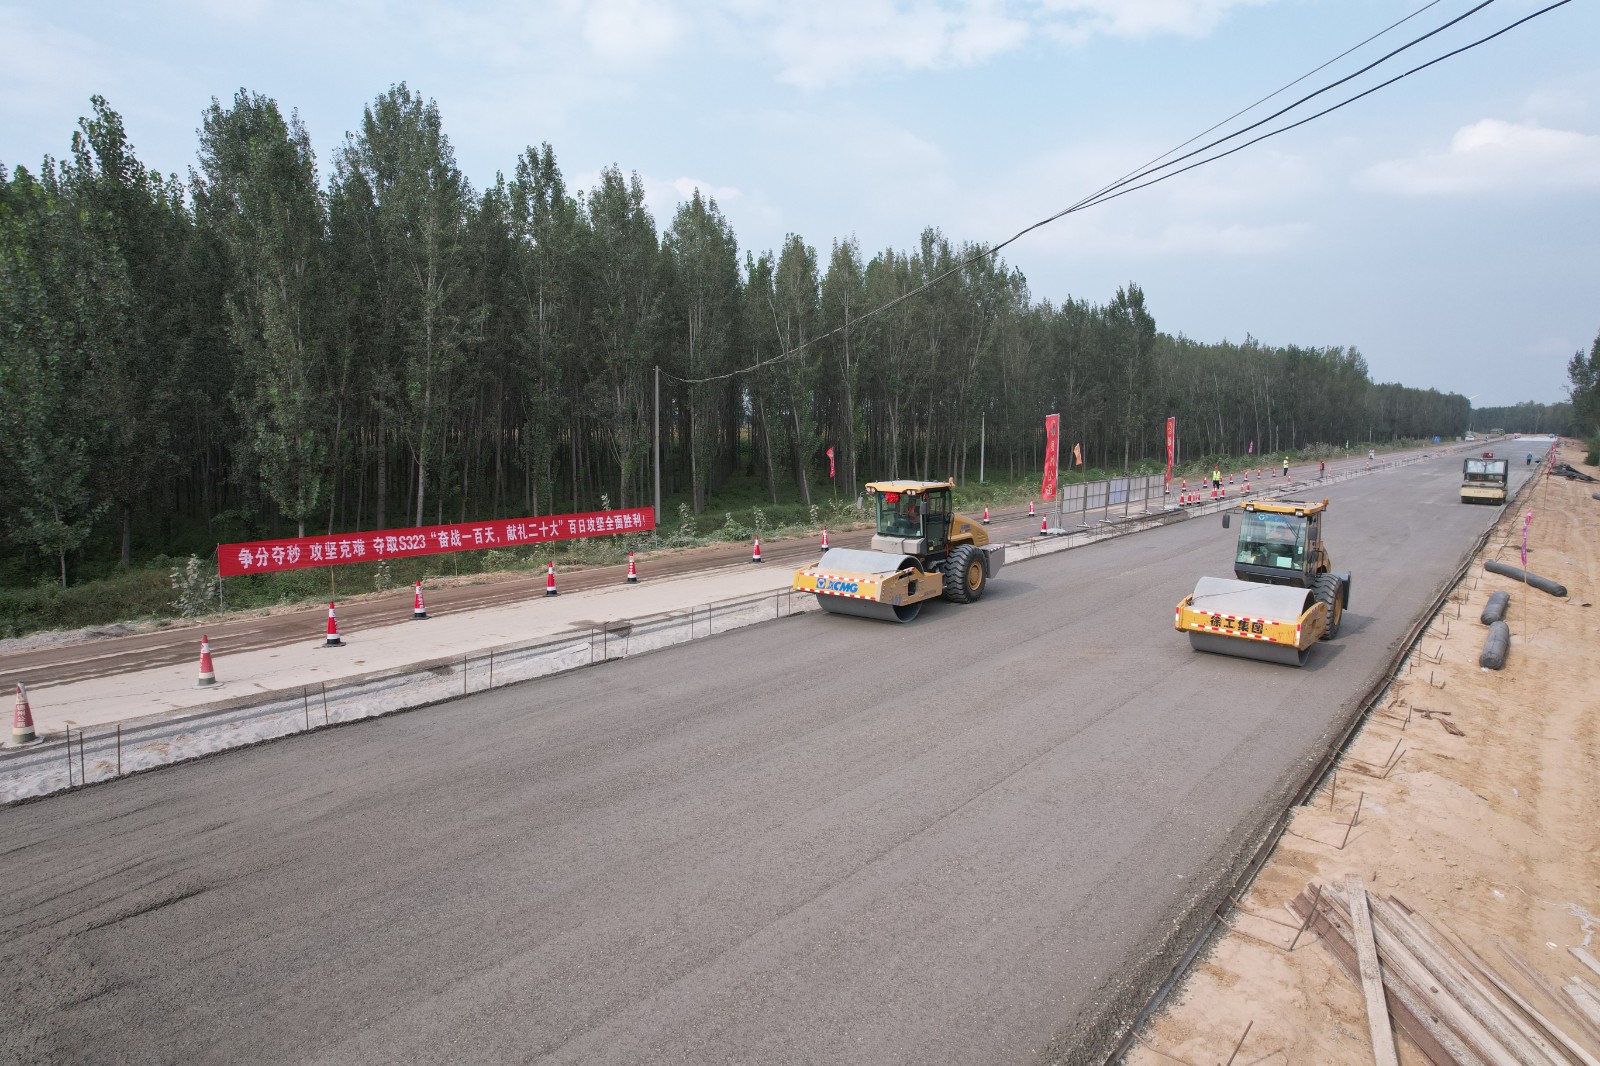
1495, 609
1495, 647
1543, 584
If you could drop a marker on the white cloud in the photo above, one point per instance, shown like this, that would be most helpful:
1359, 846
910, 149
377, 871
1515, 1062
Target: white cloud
1258, 205
828, 42
41, 64
832, 41
685, 187
1223, 239
1081, 19
630, 31
48, 73
1494, 156
662, 196
1134, 233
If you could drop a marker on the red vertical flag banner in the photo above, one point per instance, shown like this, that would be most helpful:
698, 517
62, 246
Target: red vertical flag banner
1526, 522
830, 462
1052, 450
1172, 441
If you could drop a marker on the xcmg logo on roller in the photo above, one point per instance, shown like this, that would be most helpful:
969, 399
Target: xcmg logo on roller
837, 584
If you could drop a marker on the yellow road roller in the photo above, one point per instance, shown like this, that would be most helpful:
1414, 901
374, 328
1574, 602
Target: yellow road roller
922, 550
1284, 595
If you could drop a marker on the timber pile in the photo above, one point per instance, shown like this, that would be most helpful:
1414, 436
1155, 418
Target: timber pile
1441, 995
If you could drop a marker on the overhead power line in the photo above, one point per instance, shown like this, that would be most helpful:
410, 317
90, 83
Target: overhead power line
1135, 180
1100, 199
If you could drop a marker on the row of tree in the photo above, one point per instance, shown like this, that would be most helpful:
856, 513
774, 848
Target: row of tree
388, 346
1525, 418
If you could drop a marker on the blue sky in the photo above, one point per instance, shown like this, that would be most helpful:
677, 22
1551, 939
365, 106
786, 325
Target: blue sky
1448, 226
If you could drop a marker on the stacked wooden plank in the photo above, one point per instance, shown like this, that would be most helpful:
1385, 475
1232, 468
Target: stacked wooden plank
1440, 995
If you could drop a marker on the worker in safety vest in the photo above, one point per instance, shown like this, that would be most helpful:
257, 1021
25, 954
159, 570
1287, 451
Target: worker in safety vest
1216, 478
1285, 466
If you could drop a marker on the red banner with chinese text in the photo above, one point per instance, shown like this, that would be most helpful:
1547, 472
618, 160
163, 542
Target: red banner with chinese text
1052, 450
297, 553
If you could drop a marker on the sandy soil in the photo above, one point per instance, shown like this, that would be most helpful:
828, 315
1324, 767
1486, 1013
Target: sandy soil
1489, 822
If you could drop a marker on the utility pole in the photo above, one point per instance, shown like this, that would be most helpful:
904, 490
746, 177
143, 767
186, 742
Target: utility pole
983, 432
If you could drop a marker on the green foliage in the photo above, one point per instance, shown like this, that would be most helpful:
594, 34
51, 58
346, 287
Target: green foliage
130, 595
196, 588
257, 193
1525, 418
1584, 374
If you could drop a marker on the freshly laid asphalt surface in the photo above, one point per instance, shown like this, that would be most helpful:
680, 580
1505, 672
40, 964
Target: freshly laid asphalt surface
982, 837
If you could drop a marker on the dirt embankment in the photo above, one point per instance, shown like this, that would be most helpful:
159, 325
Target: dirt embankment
1479, 807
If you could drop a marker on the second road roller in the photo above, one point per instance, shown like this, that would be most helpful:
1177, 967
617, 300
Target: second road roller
1284, 595
922, 550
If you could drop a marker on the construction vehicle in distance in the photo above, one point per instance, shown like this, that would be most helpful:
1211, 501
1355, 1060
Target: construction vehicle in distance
922, 550
1284, 595
1484, 480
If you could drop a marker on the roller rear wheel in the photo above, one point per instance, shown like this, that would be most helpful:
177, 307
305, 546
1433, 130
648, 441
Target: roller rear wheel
1327, 591
964, 576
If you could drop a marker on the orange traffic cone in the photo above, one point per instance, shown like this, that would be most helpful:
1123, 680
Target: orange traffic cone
1044, 526
550, 581
633, 573
755, 553
1230, 477
985, 514
208, 676
419, 611
22, 720
1030, 508
824, 538
332, 640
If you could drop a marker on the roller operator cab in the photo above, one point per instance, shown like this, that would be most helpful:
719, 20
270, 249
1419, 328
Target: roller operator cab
922, 549
1284, 595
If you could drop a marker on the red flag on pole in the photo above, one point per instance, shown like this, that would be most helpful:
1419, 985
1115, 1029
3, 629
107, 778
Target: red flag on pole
1172, 440
1077, 456
1052, 450
1252, 447
830, 462
1526, 522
